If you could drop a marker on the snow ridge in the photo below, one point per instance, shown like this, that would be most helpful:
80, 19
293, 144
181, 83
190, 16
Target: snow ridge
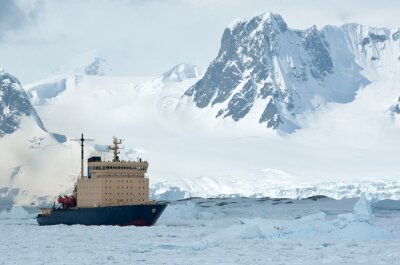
181, 72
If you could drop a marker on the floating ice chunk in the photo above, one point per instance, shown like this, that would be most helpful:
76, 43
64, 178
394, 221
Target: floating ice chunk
360, 231
320, 216
362, 210
250, 232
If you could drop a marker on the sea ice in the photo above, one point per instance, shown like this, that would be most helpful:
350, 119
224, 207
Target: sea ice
241, 231
362, 210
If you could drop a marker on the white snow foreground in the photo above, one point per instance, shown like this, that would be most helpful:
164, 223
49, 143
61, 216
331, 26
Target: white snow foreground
218, 231
355, 226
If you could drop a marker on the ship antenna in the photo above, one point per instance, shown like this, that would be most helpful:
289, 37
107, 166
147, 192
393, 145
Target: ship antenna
115, 148
82, 140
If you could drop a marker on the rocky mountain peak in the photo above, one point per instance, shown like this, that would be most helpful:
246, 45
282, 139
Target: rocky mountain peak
14, 104
96, 67
264, 21
290, 72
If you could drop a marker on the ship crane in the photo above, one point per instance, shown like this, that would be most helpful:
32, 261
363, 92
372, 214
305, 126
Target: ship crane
82, 140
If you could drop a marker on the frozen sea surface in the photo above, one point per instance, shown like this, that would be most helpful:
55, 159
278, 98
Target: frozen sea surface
218, 231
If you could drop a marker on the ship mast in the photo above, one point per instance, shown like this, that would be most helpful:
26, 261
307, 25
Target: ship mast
82, 140
115, 148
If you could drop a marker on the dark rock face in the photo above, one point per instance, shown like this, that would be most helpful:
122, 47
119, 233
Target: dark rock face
396, 35
395, 108
262, 59
14, 104
321, 63
271, 116
96, 67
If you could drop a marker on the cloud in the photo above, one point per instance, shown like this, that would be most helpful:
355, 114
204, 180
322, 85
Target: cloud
17, 14
148, 37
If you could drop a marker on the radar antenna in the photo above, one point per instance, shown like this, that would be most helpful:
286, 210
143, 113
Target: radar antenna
82, 140
115, 148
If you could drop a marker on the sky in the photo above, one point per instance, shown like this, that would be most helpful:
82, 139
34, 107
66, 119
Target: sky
148, 37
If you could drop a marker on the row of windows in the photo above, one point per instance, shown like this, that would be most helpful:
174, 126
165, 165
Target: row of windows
131, 187
121, 200
109, 187
127, 181
115, 167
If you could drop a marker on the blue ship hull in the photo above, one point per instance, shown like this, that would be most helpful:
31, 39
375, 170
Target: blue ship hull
138, 215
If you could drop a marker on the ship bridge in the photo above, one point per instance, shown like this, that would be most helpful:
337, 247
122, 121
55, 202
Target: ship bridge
101, 169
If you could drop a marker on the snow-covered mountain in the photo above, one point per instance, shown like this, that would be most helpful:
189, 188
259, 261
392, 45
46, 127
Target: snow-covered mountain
89, 63
14, 105
181, 72
274, 75
266, 75
28, 151
189, 156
